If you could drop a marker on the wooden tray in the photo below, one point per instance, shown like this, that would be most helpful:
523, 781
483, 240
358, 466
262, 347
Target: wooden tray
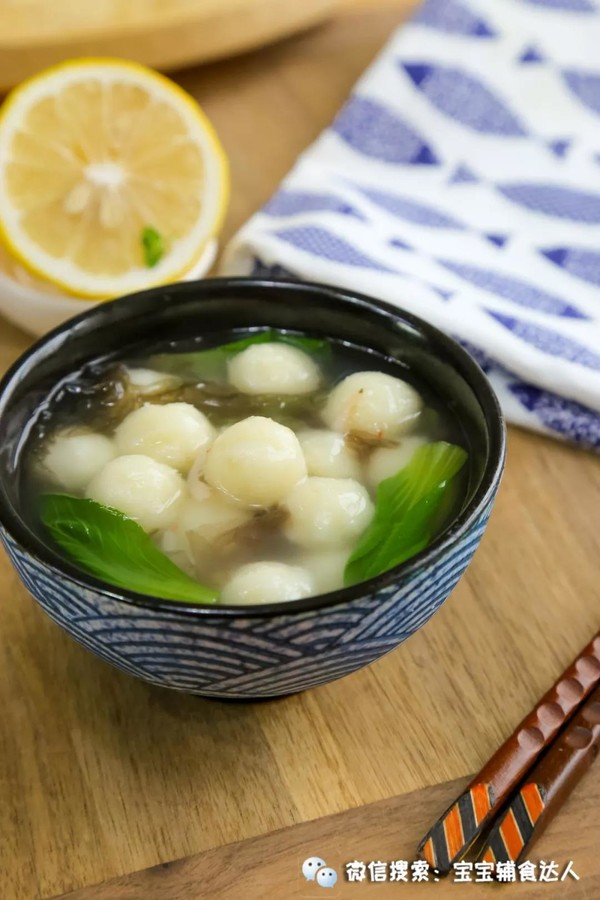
269, 866
161, 33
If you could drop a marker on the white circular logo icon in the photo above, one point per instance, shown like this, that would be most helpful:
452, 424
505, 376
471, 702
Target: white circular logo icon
326, 877
311, 866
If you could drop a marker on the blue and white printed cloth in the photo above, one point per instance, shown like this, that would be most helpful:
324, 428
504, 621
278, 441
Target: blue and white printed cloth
462, 181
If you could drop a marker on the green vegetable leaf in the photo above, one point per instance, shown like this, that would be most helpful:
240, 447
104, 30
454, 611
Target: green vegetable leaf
409, 508
116, 549
211, 365
152, 245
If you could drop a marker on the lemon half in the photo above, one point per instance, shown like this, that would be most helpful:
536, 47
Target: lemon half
112, 179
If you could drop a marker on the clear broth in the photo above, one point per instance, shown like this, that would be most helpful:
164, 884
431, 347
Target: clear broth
98, 397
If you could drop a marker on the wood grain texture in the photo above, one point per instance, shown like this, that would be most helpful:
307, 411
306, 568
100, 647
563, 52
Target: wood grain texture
270, 866
101, 775
165, 34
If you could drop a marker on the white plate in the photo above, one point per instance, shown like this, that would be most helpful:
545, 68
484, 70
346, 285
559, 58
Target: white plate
37, 312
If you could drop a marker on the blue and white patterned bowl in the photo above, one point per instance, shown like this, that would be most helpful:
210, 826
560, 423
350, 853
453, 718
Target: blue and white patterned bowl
251, 653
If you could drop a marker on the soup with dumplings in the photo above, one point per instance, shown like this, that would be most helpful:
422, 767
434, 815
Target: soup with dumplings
270, 467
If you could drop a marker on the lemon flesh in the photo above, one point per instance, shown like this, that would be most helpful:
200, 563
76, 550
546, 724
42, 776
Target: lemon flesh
95, 155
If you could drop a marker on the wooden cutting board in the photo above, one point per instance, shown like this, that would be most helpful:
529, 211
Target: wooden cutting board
165, 34
270, 866
102, 775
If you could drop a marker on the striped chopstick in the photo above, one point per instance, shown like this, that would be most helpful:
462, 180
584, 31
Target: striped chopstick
546, 787
464, 821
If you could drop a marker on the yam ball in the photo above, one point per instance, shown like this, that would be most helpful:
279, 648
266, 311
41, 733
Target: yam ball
147, 382
173, 434
141, 488
327, 454
74, 457
373, 404
273, 369
256, 461
386, 461
324, 512
327, 568
267, 582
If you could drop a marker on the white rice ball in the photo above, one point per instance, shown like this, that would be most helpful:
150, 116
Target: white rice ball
141, 488
386, 461
256, 461
267, 582
148, 383
273, 369
173, 434
74, 457
325, 512
373, 404
327, 568
327, 454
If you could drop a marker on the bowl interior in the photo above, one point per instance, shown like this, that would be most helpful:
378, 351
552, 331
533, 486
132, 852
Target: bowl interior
215, 306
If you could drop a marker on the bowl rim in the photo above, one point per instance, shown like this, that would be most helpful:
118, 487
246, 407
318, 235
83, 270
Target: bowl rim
17, 528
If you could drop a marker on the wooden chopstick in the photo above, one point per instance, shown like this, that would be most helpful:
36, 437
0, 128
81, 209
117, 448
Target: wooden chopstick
463, 822
547, 786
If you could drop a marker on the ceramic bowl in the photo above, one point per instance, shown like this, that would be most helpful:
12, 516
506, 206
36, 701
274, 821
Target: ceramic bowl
231, 652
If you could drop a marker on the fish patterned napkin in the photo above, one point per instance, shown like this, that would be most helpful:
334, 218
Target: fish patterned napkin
461, 181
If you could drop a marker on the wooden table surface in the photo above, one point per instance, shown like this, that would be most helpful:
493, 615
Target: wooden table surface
101, 774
